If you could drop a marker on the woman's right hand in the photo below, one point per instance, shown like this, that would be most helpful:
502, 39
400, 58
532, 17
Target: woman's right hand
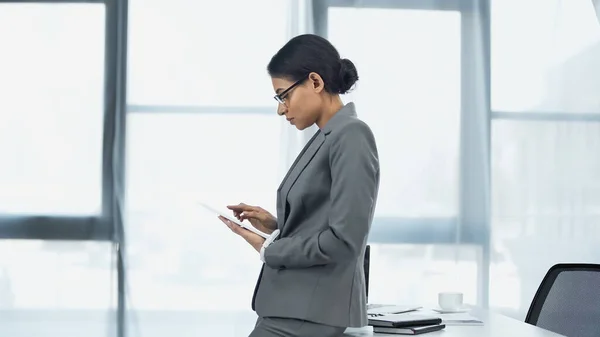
258, 217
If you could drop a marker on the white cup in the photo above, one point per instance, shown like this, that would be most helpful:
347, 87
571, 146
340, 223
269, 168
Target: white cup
450, 301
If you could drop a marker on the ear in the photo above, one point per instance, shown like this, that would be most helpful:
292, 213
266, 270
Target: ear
316, 82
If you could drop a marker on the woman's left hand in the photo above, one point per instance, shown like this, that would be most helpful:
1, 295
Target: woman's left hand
255, 240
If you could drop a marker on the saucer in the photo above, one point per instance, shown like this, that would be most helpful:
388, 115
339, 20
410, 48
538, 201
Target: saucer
455, 311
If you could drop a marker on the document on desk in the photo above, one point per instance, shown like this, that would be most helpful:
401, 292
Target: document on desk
460, 319
463, 318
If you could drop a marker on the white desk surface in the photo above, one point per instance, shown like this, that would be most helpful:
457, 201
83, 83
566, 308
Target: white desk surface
495, 325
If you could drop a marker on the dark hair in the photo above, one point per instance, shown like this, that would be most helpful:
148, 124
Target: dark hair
308, 53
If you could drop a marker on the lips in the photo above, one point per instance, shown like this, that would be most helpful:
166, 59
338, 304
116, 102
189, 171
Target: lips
290, 119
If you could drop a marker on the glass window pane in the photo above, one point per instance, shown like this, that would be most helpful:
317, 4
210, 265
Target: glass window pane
57, 288
193, 52
545, 204
51, 111
176, 248
545, 56
404, 59
415, 274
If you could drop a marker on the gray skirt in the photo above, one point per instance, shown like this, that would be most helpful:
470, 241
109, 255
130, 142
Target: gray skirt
290, 327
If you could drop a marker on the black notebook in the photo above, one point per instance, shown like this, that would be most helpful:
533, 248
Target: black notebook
403, 320
416, 330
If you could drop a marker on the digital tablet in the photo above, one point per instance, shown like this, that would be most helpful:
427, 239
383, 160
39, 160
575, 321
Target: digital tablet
233, 219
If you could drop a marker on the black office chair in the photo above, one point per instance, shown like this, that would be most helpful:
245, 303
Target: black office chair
568, 301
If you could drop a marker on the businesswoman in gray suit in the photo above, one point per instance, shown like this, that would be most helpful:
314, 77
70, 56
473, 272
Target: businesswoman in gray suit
312, 279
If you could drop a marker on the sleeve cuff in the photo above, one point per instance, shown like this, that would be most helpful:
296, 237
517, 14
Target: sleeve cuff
266, 244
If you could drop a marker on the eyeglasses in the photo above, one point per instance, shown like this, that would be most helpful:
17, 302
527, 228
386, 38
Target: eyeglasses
280, 98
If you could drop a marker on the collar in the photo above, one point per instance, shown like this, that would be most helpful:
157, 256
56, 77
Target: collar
346, 111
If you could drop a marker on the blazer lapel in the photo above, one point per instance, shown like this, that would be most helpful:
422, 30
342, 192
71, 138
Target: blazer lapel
305, 156
299, 165
306, 147
347, 110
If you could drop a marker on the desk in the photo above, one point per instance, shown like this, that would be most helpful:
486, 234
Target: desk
141, 323
495, 325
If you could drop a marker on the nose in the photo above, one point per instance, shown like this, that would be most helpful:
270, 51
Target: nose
281, 109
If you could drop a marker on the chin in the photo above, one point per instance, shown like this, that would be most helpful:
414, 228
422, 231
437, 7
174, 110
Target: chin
301, 127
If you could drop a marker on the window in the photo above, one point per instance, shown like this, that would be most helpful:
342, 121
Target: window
201, 126
404, 58
57, 288
545, 135
188, 52
176, 161
545, 56
546, 204
415, 274
409, 92
51, 111
52, 89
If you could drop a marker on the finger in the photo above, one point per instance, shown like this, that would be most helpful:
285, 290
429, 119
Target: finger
251, 215
241, 207
225, 221
234, 228
239, 230
247, 235
238, 209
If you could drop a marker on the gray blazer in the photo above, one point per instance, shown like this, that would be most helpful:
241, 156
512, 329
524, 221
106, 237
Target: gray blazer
325, 204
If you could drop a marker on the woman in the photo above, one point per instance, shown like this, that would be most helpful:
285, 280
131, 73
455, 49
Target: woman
312, 279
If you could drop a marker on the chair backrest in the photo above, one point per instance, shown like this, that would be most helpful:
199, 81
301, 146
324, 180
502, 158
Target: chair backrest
366, 264
568, 301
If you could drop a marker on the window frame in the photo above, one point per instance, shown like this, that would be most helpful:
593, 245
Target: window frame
101, 227
523, 117
108, 226
141, 108
438, 230
472, 224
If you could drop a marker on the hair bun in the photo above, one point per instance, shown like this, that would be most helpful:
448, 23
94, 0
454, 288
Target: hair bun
348, 75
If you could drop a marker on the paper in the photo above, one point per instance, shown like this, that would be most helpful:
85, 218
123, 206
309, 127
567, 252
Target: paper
463, 318
460, 319
234, 220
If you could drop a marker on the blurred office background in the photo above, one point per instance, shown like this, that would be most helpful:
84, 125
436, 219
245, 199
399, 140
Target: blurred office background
117, 116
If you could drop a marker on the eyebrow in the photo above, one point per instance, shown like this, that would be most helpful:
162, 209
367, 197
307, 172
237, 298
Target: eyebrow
279, 90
